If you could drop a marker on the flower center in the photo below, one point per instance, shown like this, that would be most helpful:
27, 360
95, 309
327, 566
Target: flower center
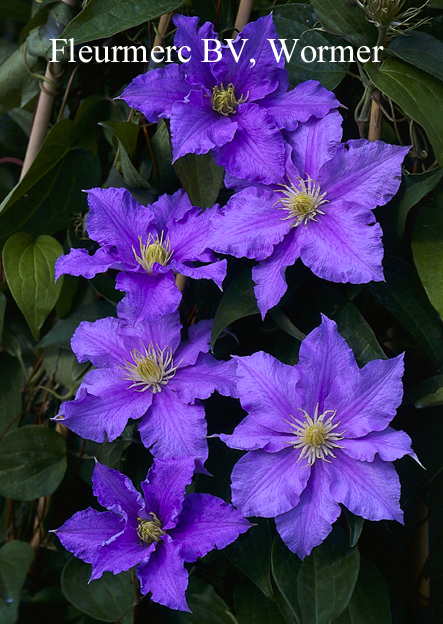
150, 369
302, 203
223, 100
149, 531
155, 250
315, 435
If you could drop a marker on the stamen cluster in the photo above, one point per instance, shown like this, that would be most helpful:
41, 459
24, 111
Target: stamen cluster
223, 100
155, 250
315, 436
302, 203
150, 531
150, 369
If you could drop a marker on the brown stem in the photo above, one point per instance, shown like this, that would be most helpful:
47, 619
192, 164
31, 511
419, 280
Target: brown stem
43, 110
162, 29
376, 118
243, 14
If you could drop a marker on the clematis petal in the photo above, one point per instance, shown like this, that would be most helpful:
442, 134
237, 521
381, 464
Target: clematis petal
206, 522
199, 336
197, 69
155, 92
79, 262
324, 357
268, 484
344, 245
250, 435
196, 128
87, 531
269, 274
267, 390
202, 379
147, 296
121, 554
171, 208
174, 429
368, 398
368, 489
250, 225
103, 406
163, 332
165, 576
256, 152
99, 342
215, 271
115, 491
164, 488
307, 99
311, 520
257, 82
116, 218
389, 444
189, 236
364, 173
315, 143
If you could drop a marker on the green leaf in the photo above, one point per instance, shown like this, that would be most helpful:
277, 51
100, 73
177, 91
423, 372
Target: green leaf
206, 605
327, 578
418, 94
29, 269
251, 555
296, 21
201, 178
285, 569
435, 397
286, 325
103, 18
370, 602
340, 17
32, 462
421, 50
11, 382
252, 606
412, 189
19, 10
2, 312
15, 559
427, 248
404, 296
51, 189
237, 302
356, 525
64, 366
13, 74
105, 599
62, 332
130, 174
126, 132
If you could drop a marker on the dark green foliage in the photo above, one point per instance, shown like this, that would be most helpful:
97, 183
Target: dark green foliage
364, 572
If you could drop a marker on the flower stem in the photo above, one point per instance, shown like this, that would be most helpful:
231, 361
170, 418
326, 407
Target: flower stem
43, 110
243, 14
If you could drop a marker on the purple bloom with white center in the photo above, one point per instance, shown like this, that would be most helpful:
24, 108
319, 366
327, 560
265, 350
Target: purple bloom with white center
318, 435
320, 211
229, 107
157, 534
149, 244
145, 372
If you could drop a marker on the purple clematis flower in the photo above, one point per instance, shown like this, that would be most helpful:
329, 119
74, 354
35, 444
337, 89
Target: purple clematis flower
144, 371
317, 435
320, 211
233, 108
157, 534
149, 244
